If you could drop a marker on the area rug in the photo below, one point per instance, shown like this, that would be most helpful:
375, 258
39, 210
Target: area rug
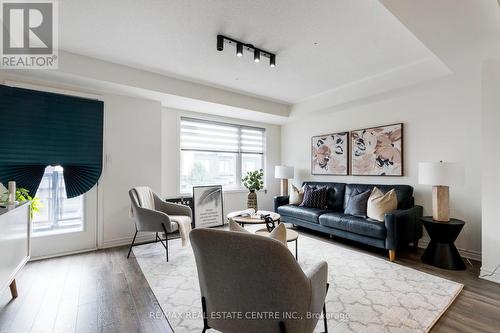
367, 294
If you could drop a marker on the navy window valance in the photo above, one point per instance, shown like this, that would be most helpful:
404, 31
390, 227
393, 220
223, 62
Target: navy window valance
38, 129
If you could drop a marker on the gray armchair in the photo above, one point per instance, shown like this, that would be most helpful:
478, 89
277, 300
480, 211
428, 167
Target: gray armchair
151, 214
251, 275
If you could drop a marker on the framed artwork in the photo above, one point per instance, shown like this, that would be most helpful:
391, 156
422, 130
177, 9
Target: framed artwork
207, 208
329, 154
377, 151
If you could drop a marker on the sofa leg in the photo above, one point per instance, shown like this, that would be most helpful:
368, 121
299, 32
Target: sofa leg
392, 255
415, 243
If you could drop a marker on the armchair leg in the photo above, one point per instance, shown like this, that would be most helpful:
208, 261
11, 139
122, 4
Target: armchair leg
133, 241
205, 319
392, 255
282, 327
166, 240
325, 320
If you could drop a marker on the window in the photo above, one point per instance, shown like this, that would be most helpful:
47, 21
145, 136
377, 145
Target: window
218, 153
58, 214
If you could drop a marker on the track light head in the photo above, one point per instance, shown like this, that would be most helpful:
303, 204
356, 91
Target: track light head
256, 56
239, 50
272, 60
220, 43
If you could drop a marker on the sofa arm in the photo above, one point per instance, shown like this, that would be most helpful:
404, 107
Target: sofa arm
280, 201
403, 227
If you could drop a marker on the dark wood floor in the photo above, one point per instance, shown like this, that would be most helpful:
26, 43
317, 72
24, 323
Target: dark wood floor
102, 291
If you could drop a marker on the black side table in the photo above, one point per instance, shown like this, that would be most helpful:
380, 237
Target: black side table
441, 251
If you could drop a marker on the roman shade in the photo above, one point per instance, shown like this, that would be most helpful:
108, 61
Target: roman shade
40, 129
202, 135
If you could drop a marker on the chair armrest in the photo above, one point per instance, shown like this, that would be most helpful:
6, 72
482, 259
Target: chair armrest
151, 220
280, 201
318, 277
403, 226
171, 208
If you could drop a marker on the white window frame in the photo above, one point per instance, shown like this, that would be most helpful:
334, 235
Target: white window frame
239, 153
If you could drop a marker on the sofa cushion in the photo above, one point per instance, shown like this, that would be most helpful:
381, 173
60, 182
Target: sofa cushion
354, 224
303, 213
335, 197
404, 193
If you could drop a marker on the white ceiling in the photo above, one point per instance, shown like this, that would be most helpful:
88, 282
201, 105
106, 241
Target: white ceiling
321, 45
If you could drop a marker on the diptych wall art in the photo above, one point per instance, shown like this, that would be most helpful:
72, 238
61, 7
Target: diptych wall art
329, 154
377, 151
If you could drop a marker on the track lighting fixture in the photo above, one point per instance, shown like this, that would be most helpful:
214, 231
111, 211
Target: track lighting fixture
240, 47
256, 56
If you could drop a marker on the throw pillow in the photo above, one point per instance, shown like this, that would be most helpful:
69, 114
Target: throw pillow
233, 226
315, 197
279, 233
380, 204
358, 203
296, 196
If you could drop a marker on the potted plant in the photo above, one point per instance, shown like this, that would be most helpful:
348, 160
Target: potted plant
253, 181
22, 195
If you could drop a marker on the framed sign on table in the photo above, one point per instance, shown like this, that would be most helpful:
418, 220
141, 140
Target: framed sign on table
208, 209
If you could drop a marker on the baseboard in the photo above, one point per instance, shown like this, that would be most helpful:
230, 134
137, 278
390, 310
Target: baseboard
474, 255
62, 254
146, 237
490, 275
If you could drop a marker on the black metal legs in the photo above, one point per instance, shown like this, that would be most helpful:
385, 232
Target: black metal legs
282, 327
205, 316
133, 241
157, 238
166, 240
325, 321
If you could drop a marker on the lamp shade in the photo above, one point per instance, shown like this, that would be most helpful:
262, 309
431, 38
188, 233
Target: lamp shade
440, 173
283, 172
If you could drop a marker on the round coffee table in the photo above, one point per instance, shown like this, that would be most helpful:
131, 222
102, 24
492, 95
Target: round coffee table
242, 220
291, 236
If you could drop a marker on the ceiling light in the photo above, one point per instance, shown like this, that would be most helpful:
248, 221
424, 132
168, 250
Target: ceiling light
220, 42
240, 46
256, 55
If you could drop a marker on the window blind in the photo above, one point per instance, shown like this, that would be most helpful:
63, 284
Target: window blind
202, 135
41, 129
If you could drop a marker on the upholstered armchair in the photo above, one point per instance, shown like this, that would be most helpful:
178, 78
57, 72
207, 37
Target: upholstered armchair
253, 276
151, 214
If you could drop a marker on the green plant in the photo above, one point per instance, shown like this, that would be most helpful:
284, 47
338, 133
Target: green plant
253, 180
22, 195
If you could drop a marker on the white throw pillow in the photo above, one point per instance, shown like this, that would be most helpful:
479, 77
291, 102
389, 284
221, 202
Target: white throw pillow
380, 204
296, 196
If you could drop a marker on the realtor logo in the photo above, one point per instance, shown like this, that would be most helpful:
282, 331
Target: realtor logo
29, 34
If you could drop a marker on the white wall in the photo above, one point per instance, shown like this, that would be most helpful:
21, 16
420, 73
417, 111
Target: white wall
132, 150
234, 200
442, 121
491, 181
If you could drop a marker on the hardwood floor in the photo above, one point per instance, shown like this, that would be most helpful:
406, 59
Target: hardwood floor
103, 291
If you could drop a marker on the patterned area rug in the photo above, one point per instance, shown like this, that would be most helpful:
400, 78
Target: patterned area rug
367, 294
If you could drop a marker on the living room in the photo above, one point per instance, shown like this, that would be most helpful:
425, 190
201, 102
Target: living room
373, 124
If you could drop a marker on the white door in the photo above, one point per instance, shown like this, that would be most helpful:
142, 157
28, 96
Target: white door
63, 225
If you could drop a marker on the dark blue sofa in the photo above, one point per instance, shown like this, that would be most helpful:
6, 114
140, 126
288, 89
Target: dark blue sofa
400, 228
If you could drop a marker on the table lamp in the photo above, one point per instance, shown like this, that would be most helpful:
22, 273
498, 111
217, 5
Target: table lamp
284, 173
440, 175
